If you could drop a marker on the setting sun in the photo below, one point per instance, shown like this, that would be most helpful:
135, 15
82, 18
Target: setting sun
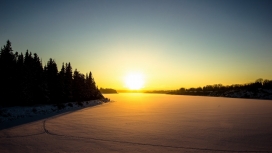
134, 81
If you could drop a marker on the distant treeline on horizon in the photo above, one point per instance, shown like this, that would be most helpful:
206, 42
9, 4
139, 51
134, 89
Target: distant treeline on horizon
253, 86
260, 89
24, 81
107, 90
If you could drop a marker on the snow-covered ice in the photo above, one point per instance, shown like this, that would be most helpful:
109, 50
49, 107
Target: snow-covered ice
21, 112
150, 123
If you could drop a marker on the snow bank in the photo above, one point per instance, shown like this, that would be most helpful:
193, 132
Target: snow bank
19, 112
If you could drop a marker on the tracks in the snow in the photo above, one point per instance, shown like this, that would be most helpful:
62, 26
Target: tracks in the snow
144, 144
47, 131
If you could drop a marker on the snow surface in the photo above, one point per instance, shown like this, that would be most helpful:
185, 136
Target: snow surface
19, 112
150, 123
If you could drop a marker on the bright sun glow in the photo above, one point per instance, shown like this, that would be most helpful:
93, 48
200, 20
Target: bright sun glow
134, 81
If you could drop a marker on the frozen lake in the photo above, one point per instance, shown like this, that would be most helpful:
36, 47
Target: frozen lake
150, 123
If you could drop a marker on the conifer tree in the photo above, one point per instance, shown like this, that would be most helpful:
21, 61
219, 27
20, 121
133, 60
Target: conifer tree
94, 91
7, 69
53, 81
62, 83
68, 79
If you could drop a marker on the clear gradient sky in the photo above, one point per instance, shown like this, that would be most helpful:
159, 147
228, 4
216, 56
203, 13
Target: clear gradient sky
173, 43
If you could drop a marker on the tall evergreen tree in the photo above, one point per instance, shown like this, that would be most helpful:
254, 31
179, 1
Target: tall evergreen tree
7, 69
68, 79
94, 91
39, 88
62, 83
51, 73
78, 85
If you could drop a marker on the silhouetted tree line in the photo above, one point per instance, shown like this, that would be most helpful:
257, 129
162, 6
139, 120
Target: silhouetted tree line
24, 81
107, 90
220, 89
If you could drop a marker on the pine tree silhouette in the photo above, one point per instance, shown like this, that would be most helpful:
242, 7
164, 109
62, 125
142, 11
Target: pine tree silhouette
8, 72
25, 81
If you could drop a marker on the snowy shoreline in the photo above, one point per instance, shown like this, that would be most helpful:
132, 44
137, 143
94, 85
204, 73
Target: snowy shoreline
8, 114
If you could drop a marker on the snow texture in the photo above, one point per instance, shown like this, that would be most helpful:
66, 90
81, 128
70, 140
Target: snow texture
19, 112
150, 123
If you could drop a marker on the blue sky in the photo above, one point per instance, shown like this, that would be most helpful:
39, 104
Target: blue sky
173, 43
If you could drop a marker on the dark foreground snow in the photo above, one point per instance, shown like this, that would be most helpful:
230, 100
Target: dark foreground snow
20, 112
149, 123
